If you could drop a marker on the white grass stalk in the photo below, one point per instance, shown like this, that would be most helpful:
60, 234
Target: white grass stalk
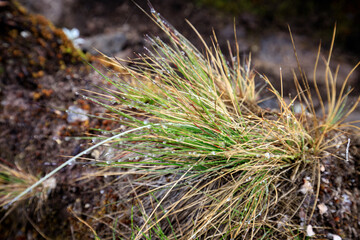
29, 189
347, 150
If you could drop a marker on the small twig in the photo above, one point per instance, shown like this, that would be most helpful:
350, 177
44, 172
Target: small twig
36, 227
8, 163
69, 209
347, 150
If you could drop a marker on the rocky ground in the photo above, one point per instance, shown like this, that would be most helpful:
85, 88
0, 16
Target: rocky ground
42, 75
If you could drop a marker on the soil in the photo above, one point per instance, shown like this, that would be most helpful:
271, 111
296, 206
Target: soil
41, 76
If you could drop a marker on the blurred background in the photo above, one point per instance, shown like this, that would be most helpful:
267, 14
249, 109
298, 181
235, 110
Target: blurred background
118, 27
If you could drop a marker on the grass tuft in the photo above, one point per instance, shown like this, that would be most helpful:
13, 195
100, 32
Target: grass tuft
334, 109
12, 182
198, 158
223, 159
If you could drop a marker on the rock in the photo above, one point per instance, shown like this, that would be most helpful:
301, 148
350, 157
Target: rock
107, 43
76, 114
271, 103
275, 51
52, 10
241, 35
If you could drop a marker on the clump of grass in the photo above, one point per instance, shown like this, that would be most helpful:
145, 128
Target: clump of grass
228, 158
18, 185
13, 181
337, 107
228, 167
199, 159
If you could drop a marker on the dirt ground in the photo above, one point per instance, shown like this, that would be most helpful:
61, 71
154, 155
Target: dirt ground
42, 75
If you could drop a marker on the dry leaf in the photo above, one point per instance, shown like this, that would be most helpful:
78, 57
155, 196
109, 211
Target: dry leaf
334, 236
322, 168
309, 231
322, 208
95, 154
306, 187
50, 183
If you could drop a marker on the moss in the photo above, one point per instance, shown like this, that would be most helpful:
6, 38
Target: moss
31, 44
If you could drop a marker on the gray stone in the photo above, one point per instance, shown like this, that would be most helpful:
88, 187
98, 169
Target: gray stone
51, 9
108, 43
276, 51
